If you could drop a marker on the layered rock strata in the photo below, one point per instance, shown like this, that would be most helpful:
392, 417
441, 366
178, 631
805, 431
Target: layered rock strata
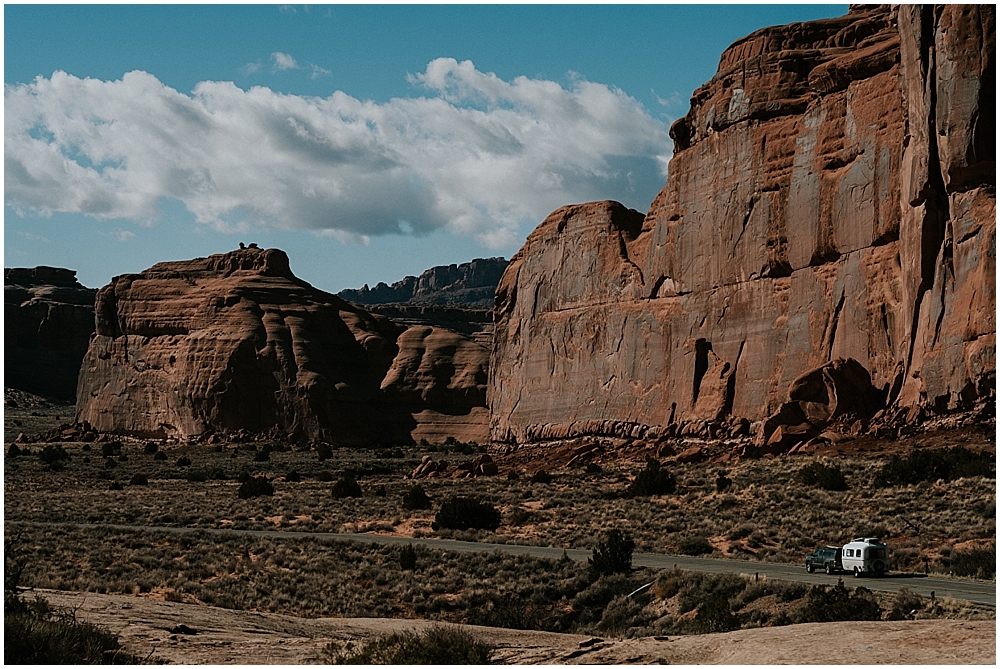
831, 195
236, 342
48, 321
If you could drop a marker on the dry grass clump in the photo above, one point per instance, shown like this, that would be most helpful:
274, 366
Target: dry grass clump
438, 645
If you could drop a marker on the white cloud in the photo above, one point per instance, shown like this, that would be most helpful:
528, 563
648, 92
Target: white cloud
251, 68
124, 235
282, 61
318, 71
477, 155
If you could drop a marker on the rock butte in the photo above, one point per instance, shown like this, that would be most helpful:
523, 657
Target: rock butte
236, 342
48, 320
828, 228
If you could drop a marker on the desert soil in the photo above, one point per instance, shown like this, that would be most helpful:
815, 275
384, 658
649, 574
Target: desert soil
149, 627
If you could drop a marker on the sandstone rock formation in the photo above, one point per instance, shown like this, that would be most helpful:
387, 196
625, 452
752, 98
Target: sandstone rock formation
48, 320
471, 284
236, 342
831, 195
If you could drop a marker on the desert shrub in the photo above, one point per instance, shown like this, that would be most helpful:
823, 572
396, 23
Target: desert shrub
255, 486
324, 452
14, 451
243, 477
408, 557
931, 465
324, 476
905, 604
263, 455
110, 448
115, 485
293, 477
110, 464
381, 491
53, 455
139, 479
159, 456
620, 614
823, 476
464, 513
217, 474
694, 545
541, 476
196, 476
715, 614
437, 645
507, 610
976, 562
653, 480
513, 475
723, 482
612, 555
150, 448
183, 461
826, 604
346, 486
593, 468
416, 498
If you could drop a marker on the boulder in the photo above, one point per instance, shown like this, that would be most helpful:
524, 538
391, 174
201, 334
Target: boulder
235, 342
831, 196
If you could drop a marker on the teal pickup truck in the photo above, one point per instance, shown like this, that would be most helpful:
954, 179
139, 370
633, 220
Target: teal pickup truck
827, 558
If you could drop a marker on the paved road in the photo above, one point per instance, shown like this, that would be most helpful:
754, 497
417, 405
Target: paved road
977, 592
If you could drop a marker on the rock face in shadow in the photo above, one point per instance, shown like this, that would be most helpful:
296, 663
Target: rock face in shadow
48, 320
831, 196
236, 342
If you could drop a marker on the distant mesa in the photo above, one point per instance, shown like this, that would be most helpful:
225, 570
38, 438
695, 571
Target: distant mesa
48, 320
470, 284
235, 342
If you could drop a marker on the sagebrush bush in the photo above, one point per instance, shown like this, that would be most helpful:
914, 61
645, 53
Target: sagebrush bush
346, 486
139, 479
159, 456
694, 545
53, 455
416, 498
324, 452
464, 513
613, 554
437, 645
823, 476
653, 480
183, 461
947, 464
408, 557
255, 486
541, 476
826, 604
976, 562
905, 605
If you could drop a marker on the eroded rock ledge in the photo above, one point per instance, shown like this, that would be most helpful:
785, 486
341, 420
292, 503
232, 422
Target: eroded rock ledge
831, 196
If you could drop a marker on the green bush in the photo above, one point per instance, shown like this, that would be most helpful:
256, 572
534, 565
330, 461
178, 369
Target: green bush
139, 479
293, 477
53, 455
464, 513
541, 476
346, 486
905, 604
653, 480
159, 456
416, 498
931, 465
324, 476
437, 645
612, 555
408, 557
826, 604
696, 545
255, 486
150, 448
976, 562
183, 461
823, 476
263, 455
196, 476
110, 448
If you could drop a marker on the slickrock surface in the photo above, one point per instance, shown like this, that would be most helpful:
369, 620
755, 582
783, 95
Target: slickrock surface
48, 320
222, 636
471, 284
831, 196
235, 341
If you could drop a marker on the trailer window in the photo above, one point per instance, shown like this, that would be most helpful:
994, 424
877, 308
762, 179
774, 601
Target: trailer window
878, 553
850, 552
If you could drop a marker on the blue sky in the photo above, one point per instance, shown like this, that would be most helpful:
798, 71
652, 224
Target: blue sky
369, 142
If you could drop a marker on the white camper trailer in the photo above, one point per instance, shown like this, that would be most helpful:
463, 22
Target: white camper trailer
866, 556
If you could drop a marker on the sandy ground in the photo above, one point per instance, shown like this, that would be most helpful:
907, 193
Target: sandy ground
149, 627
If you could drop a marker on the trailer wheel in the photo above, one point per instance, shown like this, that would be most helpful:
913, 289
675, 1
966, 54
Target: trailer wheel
879, 568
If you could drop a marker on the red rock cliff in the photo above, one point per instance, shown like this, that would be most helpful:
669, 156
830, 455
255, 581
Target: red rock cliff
235, 341
831, 196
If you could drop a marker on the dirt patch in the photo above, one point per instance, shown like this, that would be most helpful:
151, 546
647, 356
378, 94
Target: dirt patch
175, 632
